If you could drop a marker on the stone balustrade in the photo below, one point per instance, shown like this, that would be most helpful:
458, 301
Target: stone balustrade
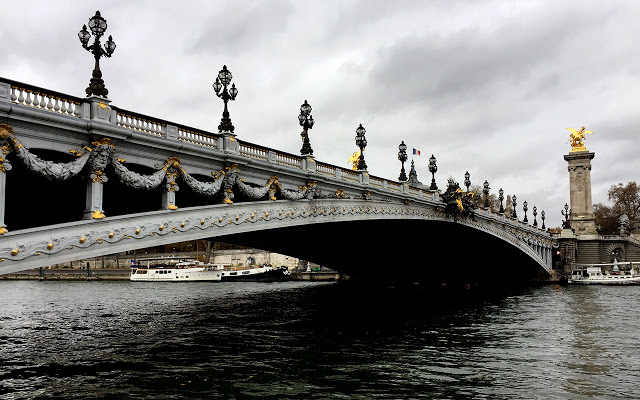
43, 99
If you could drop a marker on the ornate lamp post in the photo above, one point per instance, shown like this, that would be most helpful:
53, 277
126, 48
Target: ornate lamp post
433, 168
97, 25
220, 87
535, 213
361, 142
501, 197
566, 213
525, 207
513, 203
542, 217
467, 180
485, 191
306, 121
402, 157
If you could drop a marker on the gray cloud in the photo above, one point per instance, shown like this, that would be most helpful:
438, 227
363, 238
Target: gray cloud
487, 87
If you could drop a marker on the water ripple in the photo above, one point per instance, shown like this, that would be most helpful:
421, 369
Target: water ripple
295, 340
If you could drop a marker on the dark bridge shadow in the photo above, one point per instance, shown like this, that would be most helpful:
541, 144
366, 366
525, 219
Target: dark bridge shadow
429, 252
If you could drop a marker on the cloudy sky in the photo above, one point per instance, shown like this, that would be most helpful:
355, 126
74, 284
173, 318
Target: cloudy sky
488, 87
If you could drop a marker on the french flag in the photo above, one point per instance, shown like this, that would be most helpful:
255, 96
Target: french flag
416, 152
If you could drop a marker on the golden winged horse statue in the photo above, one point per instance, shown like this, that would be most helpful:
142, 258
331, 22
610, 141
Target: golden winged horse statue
354, 160
576, 137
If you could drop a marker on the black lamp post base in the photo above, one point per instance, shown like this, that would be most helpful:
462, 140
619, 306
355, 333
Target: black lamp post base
226, 125
306, 145
96, 85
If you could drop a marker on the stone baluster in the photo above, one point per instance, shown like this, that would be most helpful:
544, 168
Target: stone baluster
77, 108
13, 96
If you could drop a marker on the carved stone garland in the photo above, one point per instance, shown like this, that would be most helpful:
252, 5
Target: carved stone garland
101, 154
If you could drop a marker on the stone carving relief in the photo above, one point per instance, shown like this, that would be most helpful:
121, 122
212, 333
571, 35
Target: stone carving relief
579, 181
203, 188
136, 180
99, 158
50, 170
101, 154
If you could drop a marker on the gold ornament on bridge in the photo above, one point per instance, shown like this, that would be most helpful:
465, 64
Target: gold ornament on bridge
97, 215
5, 131
354, 160
577, 139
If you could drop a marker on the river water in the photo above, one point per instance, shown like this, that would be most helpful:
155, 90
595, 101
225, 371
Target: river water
301, 340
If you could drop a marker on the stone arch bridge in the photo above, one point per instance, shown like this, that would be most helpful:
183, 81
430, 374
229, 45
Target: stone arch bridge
80, 178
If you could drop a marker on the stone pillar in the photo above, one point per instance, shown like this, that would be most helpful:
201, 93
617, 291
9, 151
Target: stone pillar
172, 166
169, 199
364, 177
582, 219
94, 196
568, 246
3, 188
308, 163
5, 133
227, 142
100, 110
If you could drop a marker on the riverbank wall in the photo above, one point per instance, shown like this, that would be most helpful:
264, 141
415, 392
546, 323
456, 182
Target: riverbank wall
123, 274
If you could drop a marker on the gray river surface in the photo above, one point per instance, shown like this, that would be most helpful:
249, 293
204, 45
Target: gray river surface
301, 340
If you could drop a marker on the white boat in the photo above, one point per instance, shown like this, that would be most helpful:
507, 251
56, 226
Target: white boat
172, 270
254, 272
605, 274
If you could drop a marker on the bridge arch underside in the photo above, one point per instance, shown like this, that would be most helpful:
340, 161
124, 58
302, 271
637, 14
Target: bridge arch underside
366, 239
421, 251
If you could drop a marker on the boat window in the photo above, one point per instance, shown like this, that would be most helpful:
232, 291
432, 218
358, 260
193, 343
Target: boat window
245, 272
233, 273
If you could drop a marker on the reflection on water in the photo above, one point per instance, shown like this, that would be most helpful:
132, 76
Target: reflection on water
600, 353
298, 340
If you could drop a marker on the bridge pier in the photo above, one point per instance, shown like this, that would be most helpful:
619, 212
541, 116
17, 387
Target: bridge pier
579, 241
